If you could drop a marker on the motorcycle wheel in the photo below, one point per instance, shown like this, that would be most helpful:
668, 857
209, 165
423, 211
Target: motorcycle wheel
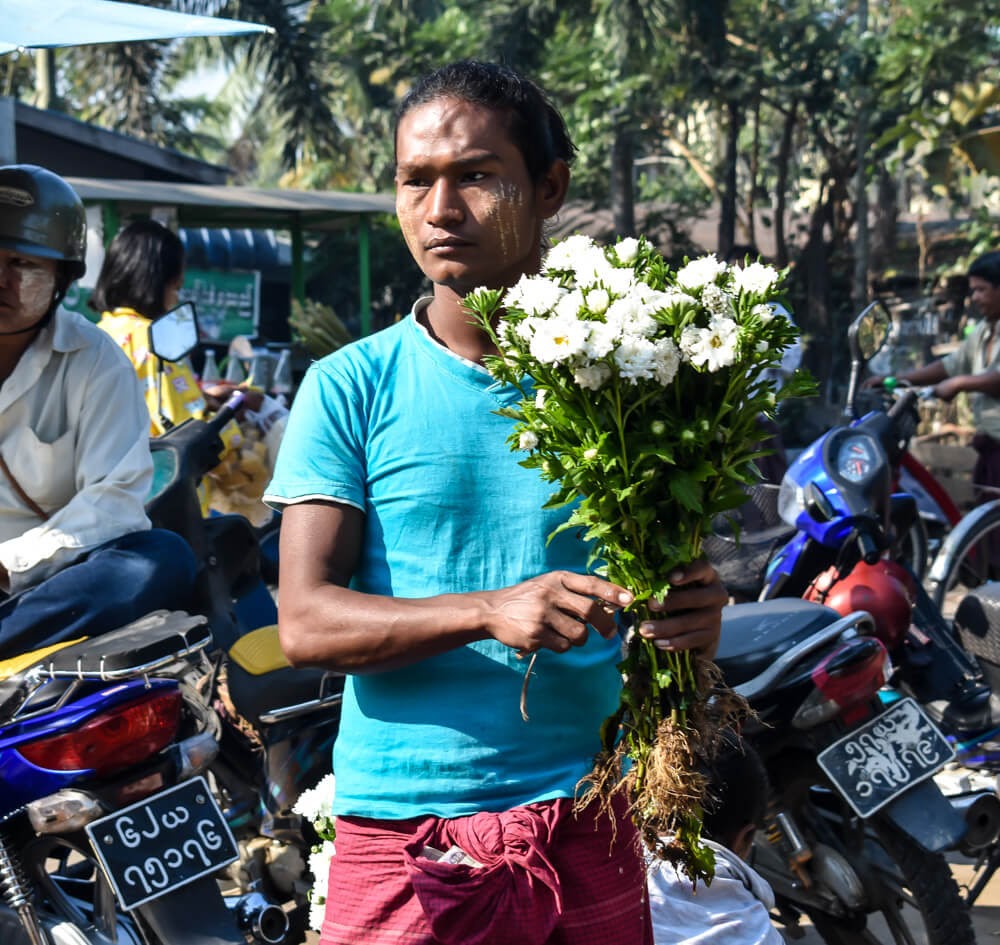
915, 898
77, 906
968, 558
912, 550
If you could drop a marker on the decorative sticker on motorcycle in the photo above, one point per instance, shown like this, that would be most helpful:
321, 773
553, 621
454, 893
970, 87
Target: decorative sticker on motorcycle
877, 762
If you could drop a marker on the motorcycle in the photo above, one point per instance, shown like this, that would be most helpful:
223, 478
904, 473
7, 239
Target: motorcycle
856, 826
850, 541
276, 724
109, 832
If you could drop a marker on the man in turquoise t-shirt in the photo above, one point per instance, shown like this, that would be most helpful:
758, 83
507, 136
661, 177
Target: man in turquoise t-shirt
414, 558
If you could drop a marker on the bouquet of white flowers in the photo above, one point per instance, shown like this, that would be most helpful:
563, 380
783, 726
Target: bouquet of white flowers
316, 806
642, 391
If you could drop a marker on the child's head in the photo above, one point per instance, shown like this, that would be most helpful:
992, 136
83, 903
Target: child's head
737, 786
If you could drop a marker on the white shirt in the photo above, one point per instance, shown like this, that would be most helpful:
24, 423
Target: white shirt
732, 909
74, 430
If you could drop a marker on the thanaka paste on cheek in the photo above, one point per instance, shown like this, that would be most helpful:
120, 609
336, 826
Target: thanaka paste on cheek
36, 290
32, 289
505, 208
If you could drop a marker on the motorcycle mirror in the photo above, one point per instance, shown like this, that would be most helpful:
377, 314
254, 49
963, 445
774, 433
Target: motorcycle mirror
866, 336
175, 334
869, 332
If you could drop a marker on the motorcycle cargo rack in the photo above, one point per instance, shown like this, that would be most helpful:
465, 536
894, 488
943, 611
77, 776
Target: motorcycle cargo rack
154, 642
137, 649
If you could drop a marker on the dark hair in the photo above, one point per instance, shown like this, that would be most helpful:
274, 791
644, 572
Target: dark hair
142, 260
987, 267
737, 788
534, 123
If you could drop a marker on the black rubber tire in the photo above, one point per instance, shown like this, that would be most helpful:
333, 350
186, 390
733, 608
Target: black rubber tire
919, 878
956, 566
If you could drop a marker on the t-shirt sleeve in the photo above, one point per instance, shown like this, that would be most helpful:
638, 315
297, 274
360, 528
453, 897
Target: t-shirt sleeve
322, 454
959, 361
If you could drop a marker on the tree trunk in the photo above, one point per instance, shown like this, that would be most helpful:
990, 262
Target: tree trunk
622, 189
817, 319
886, 219
781, 186
727, 215
754, 176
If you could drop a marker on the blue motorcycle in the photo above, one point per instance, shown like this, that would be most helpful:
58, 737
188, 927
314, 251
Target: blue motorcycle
109, 832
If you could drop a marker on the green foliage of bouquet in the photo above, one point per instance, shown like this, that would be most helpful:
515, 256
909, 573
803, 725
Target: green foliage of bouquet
642, 390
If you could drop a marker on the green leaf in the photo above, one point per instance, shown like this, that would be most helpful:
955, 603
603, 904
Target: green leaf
684, 489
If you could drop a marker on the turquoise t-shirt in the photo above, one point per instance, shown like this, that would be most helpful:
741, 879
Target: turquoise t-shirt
403, 429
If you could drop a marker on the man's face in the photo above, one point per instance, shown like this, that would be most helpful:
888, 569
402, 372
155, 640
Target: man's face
985, 297
469, 212
27, 287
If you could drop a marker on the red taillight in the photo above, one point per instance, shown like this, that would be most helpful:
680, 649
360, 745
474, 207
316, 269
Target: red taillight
846, 682
114, 740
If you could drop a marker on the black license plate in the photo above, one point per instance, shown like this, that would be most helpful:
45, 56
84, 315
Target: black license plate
151, 848
877, 762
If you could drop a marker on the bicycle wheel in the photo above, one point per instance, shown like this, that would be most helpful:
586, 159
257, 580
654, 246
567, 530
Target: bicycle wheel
968, 558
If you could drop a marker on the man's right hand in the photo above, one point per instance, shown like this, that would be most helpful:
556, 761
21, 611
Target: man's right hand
552, 611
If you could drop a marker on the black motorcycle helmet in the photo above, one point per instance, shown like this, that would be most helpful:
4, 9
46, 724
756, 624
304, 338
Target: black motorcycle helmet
41, 215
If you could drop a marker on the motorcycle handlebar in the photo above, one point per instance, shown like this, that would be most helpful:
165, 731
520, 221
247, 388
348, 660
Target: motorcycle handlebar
903, 403
234, 403
869, 549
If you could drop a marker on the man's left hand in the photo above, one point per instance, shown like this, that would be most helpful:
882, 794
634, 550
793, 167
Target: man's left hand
691, 613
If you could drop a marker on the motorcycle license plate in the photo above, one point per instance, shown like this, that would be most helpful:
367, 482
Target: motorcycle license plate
877, 762
154, 846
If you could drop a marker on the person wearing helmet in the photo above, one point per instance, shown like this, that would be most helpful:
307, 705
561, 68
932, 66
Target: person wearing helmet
77, 554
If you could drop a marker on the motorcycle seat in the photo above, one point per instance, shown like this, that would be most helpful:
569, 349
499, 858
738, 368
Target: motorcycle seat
261, 681
755, 635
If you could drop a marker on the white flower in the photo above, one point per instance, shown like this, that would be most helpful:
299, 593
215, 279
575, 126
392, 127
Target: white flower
540, 398
700, 272
592, 376
525, 330
316, 802
591, 267
597, 300
570, 304
558, 339
601, 338
618, 281
717, 301
534, 295
319, 866
667, 359
626, 250
713, 347
562, 257
590, 454
755, 278
764, 311
527, 440
636, 358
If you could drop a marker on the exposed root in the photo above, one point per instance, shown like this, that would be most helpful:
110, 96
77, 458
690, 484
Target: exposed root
661, 774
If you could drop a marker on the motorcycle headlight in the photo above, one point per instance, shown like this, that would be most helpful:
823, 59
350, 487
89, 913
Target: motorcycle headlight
791, 501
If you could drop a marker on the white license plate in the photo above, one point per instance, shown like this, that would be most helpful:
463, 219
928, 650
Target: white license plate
165, 841
875, 763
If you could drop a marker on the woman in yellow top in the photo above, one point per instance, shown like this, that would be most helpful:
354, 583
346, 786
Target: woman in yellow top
139, 282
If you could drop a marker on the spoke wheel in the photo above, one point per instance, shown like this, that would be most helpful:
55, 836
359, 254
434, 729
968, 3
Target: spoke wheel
968, 558
72, 888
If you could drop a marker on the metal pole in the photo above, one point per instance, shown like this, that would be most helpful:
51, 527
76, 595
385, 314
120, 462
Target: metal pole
298, 263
